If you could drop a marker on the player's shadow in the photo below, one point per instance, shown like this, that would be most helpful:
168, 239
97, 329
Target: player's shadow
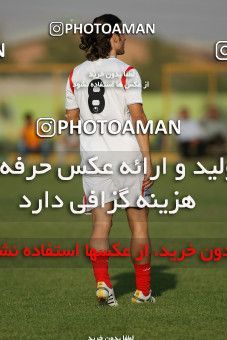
161, 281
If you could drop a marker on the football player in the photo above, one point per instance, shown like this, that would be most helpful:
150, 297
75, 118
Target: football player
103, 98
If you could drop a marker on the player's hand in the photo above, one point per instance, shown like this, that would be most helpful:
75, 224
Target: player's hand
69, 116
72, 115
147, 183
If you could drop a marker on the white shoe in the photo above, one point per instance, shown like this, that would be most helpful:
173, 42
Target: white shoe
106, 295
139, 297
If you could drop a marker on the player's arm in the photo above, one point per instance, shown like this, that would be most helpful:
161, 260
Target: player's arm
72, 109
137, 114
133, 96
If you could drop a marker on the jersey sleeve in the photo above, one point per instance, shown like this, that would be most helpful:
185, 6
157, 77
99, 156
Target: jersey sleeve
70, 99
133, 88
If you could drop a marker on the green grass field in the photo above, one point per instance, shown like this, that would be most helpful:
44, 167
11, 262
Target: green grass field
59, 303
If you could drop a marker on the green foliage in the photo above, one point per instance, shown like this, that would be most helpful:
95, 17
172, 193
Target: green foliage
63, 49
161, 53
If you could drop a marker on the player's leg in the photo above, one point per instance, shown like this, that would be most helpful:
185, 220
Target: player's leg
101, 225
140, 240
138, 223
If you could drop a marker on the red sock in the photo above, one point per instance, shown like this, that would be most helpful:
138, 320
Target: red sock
100, 268
143, 279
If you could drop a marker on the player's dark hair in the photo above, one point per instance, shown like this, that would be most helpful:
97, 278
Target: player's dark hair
98, 45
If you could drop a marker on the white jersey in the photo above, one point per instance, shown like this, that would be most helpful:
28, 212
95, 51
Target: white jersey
102, 90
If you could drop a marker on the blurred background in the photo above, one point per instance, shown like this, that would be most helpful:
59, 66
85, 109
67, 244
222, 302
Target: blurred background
186, 81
